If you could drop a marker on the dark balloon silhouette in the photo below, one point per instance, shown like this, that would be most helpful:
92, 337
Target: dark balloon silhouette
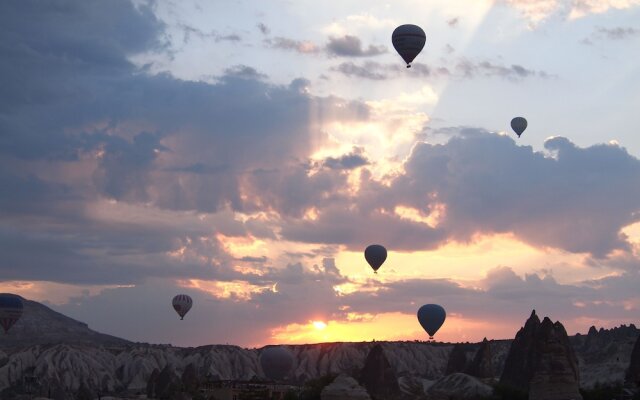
431, 317
10, 310
375, 256
518, 124
408, 40
276, 362
182, 304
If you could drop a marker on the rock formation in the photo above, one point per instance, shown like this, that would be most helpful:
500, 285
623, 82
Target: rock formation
458, 386
481, 366
344, 388
378, 376
458, 358
41, 325
542, 362
604, 354
103, 366
633, 373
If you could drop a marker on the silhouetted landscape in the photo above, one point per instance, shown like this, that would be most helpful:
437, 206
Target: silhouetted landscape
48, 354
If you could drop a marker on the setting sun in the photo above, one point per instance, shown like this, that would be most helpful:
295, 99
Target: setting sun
319, 325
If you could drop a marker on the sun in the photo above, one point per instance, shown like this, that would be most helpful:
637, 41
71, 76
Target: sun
319, 325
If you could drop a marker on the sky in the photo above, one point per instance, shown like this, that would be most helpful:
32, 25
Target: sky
246, 152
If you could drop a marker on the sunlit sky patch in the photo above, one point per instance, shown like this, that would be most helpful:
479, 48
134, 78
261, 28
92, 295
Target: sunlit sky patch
246, 153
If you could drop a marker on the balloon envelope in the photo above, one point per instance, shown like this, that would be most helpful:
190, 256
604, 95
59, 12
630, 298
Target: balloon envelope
375, 256
276, 362
518, 124
431, 317
182, 304
10, 310
408, 40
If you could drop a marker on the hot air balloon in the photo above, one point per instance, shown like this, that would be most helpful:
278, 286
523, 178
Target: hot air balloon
375, 256
10, 310
182, 304
276, 362
518, 124
408, 40
431, 317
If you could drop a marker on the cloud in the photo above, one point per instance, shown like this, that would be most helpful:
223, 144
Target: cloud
351, 46
582, 8
369, 70
304, 47
304, 292
501, 297
344, 46
88, 136
483, 183
189, 31
511, 188
617, 33
377, 71
514, 72
264, 29
504, 296
347, 161
463, 69
537, 11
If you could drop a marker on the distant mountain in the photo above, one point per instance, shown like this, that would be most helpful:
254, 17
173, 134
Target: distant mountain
62, 355
41, 325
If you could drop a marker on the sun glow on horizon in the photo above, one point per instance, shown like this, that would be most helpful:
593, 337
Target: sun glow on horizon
319, 325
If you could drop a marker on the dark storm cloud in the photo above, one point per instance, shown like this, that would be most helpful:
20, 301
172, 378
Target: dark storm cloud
351, 46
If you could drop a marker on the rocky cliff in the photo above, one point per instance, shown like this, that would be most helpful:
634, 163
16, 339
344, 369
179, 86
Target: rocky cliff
378, 377
604, 354
541, 361
344, 388
40, 325
482, 364
102, 364
458, 386
633, 372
